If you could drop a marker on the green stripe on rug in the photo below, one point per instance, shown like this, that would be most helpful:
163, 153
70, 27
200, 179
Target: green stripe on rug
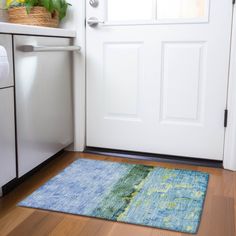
122, 193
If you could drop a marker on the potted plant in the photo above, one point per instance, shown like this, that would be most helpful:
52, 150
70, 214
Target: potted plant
37, 12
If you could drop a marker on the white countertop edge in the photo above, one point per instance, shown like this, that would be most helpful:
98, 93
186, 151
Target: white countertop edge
10, 28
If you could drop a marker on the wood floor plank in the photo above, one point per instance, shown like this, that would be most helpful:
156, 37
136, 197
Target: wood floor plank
29, 225
128, 230
234, 186
158, 232
218, 218
69, 226
106, 229
13, 219
38, 224
92, 227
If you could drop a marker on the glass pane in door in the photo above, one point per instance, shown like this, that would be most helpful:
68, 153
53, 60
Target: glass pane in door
130, 10
181, 9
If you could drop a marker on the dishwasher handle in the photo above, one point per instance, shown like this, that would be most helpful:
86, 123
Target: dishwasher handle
32, 48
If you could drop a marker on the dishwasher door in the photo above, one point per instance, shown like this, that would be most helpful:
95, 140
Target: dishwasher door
7, 137
43, 100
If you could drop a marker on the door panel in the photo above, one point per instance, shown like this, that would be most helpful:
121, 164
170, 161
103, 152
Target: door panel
121, 75
182, 82
159, 88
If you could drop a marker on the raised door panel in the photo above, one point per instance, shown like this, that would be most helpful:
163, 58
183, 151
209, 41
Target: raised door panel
122, 79
183, 77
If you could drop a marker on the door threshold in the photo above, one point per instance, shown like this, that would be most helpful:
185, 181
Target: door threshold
154, 157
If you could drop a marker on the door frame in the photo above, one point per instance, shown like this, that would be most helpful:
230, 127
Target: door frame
229, 159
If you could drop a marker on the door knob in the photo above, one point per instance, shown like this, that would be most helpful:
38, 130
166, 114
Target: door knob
93, 3
93, 21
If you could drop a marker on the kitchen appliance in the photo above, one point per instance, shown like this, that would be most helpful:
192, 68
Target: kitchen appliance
43, 67
7, 117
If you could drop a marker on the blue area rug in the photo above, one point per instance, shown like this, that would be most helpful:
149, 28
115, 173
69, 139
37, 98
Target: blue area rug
152, 196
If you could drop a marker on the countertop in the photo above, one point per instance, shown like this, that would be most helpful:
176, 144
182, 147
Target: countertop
35, 30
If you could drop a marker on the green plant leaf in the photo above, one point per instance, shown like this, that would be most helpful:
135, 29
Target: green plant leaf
48, 5
29, 4
61, 7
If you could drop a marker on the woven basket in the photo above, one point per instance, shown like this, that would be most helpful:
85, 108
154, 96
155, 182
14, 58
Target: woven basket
38, 16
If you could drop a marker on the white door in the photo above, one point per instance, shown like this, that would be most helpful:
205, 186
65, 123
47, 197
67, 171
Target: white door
157, 76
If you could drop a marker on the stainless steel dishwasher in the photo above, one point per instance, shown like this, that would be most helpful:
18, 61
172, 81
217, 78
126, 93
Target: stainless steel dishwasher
7, 118
43, 67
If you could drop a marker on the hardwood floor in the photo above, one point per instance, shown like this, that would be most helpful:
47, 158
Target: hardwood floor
218, 217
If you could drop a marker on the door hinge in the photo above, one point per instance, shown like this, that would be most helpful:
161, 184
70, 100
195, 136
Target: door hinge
226, 118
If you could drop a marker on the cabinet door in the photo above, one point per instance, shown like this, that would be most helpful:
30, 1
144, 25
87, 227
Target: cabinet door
6, 42
43, 100
7, 137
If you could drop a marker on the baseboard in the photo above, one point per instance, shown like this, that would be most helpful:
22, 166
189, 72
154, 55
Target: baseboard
154, 157
17, 181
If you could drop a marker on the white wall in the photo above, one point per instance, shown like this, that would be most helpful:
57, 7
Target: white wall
75, 20
2, 4
3, 13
